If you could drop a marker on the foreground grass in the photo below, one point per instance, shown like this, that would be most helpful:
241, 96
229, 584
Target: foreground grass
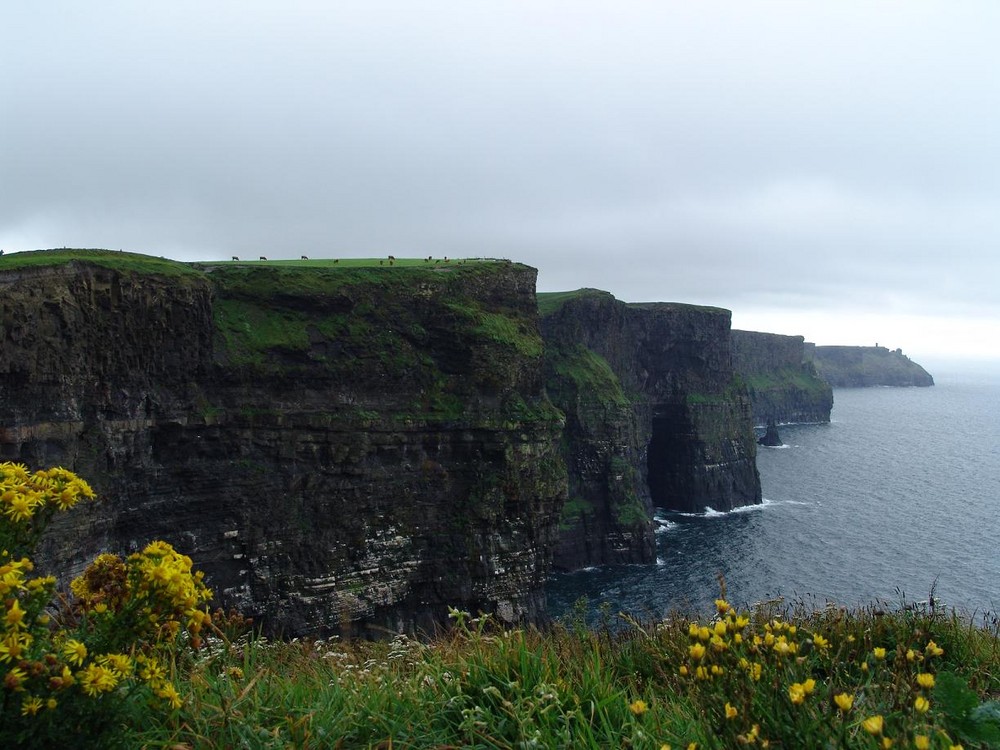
769, 678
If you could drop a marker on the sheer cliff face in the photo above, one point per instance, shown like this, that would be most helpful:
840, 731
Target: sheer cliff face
781, 378
655, 418
337, 449
865, 366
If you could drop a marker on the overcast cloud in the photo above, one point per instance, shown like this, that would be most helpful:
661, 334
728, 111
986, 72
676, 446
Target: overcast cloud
823, 168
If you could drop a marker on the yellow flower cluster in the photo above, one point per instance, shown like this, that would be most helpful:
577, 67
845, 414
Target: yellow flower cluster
728, 663
157, 588
23, 495
126, 617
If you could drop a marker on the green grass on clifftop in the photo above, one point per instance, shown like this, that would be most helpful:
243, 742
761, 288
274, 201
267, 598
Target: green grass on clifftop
765, 678
113, 259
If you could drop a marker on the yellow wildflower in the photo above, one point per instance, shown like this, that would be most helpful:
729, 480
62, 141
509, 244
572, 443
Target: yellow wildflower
921, 704
701, 673
844, 701
796, 693
911, 655
722, 606
51, 704
925, 680
96, 679
704, 633
820, 642
20, 507
15, 615
119, 663
683, 671
720, 628
31, 705
697, 651
873, 724
887, 742
13, 645
809, 685
731, 712
74, 651
638, 707
933, 649
922, 742
879, 653
718, 644
169, 693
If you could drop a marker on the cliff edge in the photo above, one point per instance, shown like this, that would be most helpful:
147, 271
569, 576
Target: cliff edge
655, 418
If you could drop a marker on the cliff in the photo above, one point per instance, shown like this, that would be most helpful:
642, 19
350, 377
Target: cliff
338, 449
781, 378
655, 417
862, 366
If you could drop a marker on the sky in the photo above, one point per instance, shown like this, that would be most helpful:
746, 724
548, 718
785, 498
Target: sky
825, 169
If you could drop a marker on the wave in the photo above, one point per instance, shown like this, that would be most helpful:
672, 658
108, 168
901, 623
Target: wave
711, 512
663, 525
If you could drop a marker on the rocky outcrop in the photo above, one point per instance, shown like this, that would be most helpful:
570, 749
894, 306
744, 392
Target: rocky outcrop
771, 437
865, 366
655, 417
340, 450
781, 379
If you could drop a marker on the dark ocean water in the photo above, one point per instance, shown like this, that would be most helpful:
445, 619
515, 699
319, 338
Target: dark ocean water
898, 494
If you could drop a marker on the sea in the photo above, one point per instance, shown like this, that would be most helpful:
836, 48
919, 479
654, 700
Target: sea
894, 502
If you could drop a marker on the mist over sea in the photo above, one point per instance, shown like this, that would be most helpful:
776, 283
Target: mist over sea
899, 494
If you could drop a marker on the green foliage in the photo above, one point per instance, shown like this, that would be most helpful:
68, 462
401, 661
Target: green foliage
967, 718
798, 378
582, 373
794, 678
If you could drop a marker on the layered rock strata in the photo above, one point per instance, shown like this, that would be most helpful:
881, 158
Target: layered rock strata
339, 450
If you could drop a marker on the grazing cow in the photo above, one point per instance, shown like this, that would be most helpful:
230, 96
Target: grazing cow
336, 260
263, 258
236, 257
381, 262
304, 258
392, 257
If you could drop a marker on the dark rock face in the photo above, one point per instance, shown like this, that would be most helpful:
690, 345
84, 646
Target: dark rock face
771, 438
654, 418
336, 449
781, 379
865, 366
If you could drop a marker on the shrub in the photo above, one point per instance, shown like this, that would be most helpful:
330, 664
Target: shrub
75, 667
